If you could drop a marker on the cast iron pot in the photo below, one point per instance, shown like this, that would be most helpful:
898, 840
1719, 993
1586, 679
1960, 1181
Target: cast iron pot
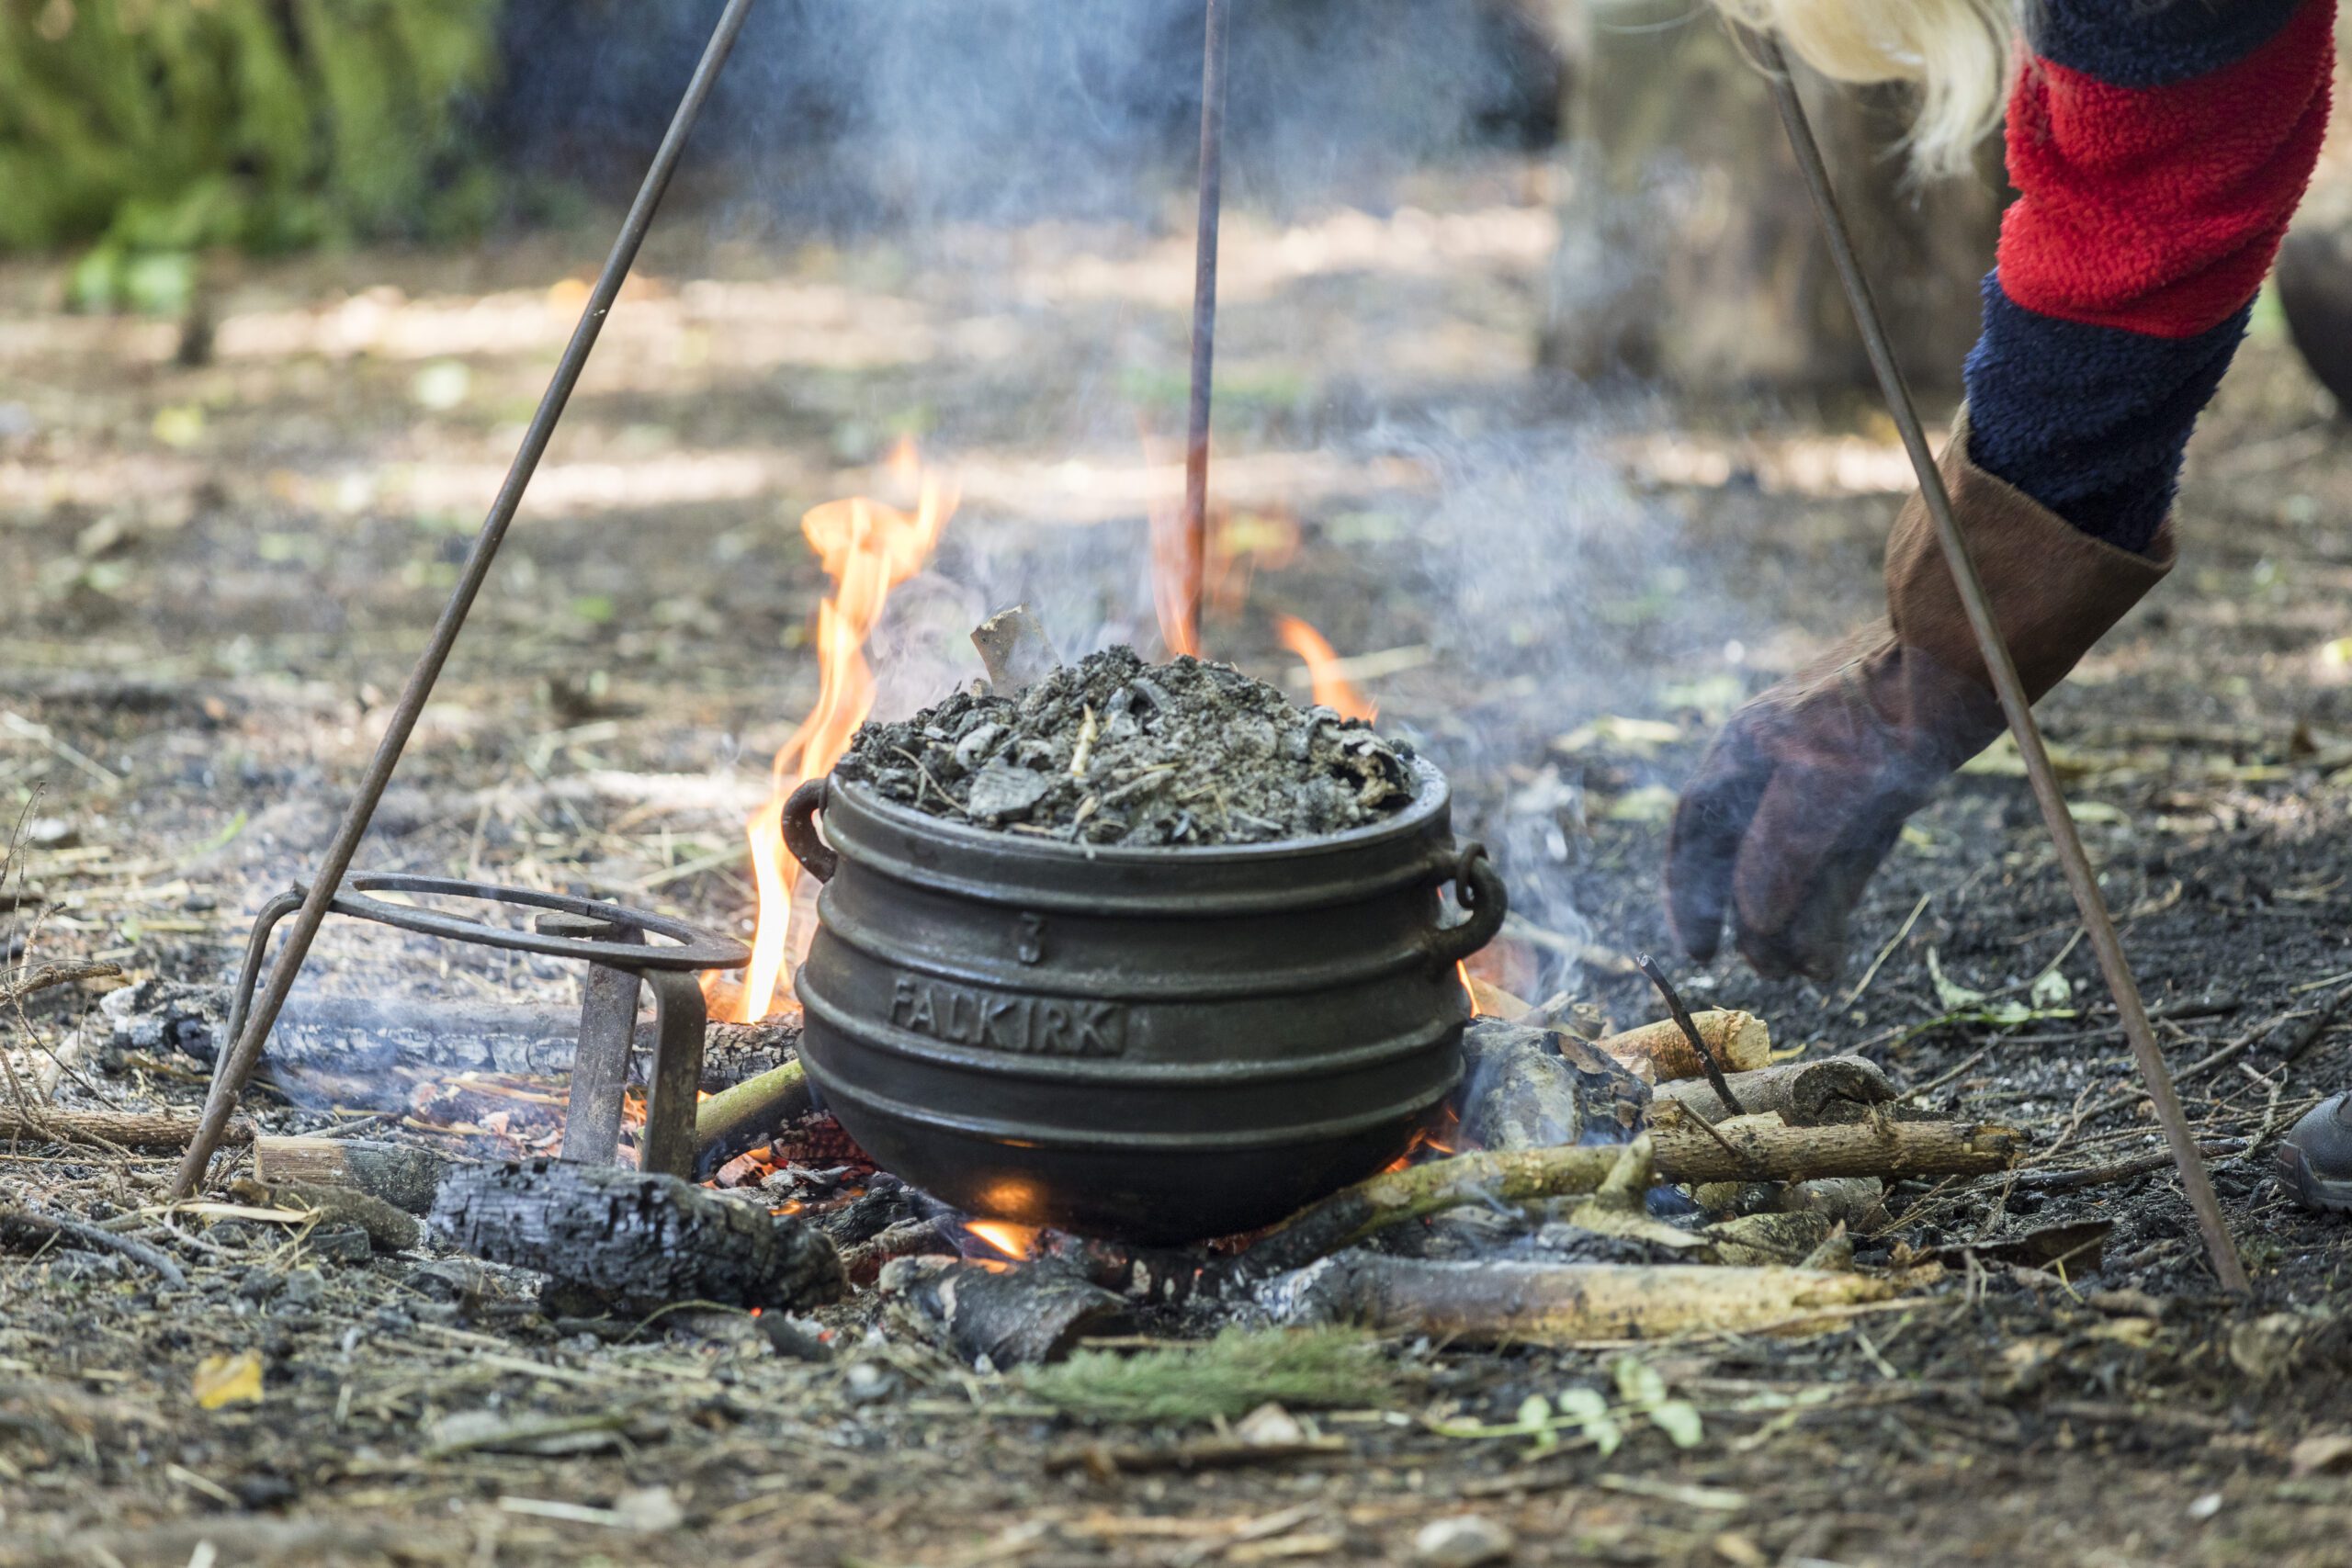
1153, 1044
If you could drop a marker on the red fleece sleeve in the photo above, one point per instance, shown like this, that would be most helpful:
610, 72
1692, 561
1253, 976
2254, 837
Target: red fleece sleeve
2159, 209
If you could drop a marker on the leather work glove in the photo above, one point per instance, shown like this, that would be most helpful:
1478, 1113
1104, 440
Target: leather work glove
1806, 788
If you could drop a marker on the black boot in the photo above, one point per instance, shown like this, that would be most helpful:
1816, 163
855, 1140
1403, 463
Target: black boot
2315, 1160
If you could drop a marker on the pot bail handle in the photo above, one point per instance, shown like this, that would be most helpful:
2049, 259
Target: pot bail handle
1478, 889
800, 835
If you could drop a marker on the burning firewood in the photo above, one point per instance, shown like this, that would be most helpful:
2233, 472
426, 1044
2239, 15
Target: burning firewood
635, 1242
1764, 1148
1014, 1318
746, 1116
1834, 1089
1526, 1088
1558, 1303
1661, 1053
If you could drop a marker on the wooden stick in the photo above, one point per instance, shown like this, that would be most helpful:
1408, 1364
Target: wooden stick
23, 1224
153, 1132
402, 1175
1741, 1039
1804, 1094
1350, 1216
1710, 1059
1553, 1303
745, 1116
1763, 1149
50, 976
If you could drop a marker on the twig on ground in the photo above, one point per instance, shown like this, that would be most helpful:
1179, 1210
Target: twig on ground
1721, 1085
17, 1222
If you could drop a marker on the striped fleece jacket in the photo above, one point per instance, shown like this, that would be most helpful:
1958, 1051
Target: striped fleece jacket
2158, 151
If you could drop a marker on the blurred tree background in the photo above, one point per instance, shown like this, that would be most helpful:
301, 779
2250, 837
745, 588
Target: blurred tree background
149, 129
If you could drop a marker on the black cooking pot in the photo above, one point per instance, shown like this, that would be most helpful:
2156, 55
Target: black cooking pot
1157, 1044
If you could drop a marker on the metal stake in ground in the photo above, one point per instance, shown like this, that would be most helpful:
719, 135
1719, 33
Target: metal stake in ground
1196, 435
2068, 842
245, 1050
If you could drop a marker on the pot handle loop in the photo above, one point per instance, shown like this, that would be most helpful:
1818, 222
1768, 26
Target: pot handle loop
816, 856
1478, 889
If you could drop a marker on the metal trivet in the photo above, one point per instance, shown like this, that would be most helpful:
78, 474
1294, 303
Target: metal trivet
608, 938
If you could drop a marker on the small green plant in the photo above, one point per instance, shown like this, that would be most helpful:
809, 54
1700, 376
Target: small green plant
1585, 1414
154, 129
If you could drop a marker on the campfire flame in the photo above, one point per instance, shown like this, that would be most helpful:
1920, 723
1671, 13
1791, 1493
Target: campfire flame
1014, 1241
1333, 689
867, 549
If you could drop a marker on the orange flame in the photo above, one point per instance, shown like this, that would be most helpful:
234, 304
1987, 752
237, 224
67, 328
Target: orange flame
868, 550
1013, 1241
1333, 689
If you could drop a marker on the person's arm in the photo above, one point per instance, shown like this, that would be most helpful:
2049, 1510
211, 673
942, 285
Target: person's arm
2158, 153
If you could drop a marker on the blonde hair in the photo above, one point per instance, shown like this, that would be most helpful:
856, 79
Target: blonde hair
1959, 54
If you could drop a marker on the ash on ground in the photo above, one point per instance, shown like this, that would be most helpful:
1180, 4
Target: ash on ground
1113, 751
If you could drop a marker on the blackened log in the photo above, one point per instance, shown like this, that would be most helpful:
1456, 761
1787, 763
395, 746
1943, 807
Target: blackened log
1010, 1317
1831, 1091
403, 1175
636, 1242
1534, 1089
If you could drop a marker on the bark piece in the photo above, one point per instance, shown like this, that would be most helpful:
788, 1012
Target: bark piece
636, 1242
1832, 1091
1753, 1240
1012, 1317
1660, 1052
1513, 1303
1016, 649
402, 1175
1762, 1149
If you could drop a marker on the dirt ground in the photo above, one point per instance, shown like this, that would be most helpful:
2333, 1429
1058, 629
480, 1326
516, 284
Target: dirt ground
213, 576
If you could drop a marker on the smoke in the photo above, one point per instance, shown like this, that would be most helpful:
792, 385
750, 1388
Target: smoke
849, 114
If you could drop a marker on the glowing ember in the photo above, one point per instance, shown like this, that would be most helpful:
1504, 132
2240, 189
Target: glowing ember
1013, 1241
1333, 689
868, 550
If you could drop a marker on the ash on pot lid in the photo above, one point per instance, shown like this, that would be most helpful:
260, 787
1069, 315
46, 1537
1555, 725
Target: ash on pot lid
1112, 750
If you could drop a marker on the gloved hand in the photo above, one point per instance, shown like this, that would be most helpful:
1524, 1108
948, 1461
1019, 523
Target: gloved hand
1806, 788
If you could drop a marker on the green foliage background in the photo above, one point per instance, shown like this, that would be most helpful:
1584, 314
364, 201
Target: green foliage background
154, 128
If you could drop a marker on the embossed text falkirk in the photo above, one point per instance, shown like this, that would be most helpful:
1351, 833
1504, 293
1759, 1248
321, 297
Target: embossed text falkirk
1032, 1025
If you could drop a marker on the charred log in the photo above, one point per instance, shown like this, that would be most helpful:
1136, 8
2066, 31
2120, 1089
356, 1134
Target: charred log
1531, 1089
635, 1242
1012, 1317
402, 1175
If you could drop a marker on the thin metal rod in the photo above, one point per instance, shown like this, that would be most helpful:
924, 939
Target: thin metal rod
245, 1050
1196, 437
2072, 858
